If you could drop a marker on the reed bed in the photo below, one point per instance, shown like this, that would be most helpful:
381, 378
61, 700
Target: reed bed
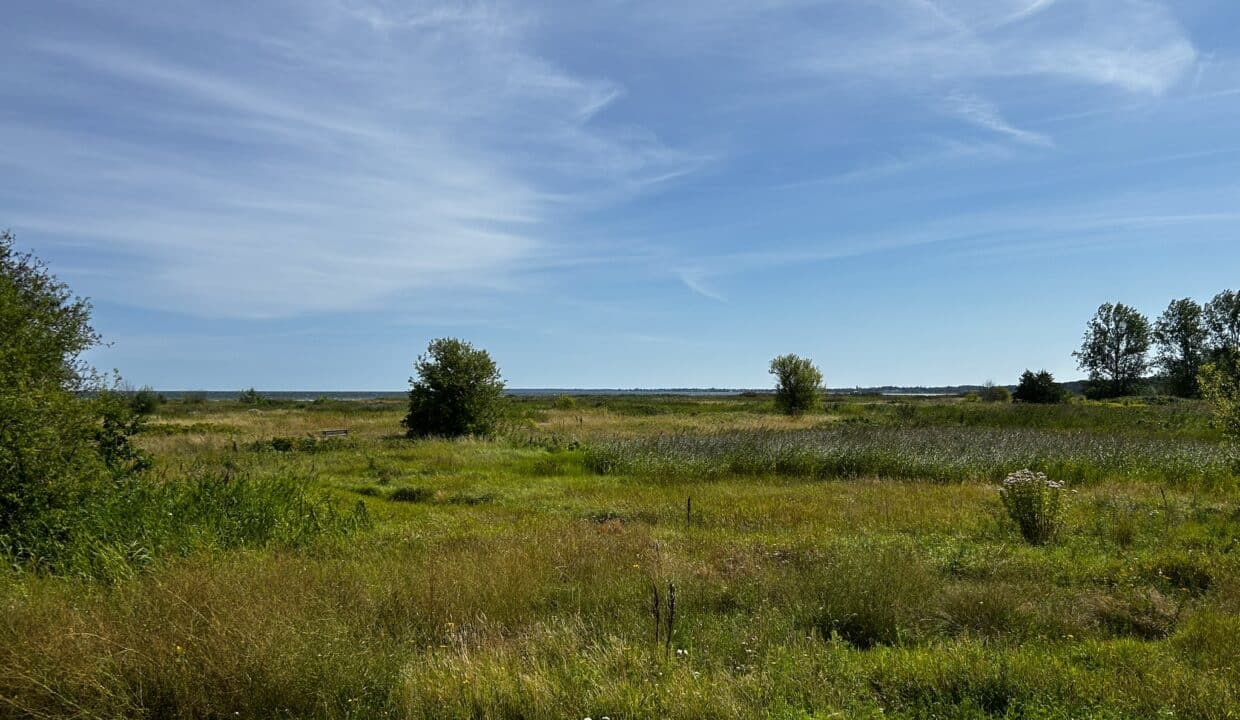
936, 454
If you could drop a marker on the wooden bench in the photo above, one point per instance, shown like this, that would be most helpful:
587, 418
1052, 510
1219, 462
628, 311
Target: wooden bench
334, 432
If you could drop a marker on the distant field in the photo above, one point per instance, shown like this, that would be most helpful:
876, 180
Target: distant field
850, 563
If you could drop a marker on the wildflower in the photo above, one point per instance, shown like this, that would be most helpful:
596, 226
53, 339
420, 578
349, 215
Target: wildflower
1032, 501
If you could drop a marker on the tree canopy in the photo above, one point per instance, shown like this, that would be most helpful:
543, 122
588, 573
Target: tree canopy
798, 384
1181, 336
60, 431
457, 390
1039, 388
1114, 351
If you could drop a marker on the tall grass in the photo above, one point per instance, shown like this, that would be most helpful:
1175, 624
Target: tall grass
940, 454
123, 528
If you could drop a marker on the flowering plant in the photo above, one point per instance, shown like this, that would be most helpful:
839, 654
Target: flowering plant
1033, 503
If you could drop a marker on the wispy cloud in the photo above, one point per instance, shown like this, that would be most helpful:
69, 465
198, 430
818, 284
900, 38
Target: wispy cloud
314, 157
696, 280
984, 114
421, 149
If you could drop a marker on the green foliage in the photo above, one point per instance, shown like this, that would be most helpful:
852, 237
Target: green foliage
1033, 503
1222, 321
1039, 388
457, 391
145, 401
57, 446
871, 596
1181, 336
1220, 384
253, 398
138, 522
117, 423
798, 384
1113, 351
45, 327
411, 494
506, 593
992, 393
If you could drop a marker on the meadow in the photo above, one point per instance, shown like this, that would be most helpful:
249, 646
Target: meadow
633, 557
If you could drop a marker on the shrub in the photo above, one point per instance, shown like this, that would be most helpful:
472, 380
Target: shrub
1220, 384
992, 393
145, 401
1039, 388
797, 384
1033, 503
457, 391
61, 439
253, 398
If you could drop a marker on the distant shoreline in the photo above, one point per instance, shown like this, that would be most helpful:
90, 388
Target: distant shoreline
308, 395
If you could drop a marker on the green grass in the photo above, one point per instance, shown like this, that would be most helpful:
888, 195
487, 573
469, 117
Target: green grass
509, 579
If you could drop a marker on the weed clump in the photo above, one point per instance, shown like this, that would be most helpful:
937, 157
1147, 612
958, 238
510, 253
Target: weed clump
411, 494
1033, 503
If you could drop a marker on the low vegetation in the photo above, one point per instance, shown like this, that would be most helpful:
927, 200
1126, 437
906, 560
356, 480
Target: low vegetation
859, 561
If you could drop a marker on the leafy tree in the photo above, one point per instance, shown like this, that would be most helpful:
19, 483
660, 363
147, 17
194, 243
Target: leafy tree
57, 443
797, 384
1039, 388
1220, 377
1181, 337
457, 391
1222, 321
1114, 350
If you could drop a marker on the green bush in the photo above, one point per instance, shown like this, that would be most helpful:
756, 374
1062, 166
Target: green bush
1039, 388
61, 438
457, 391
145, 401
992, 393
1220, 384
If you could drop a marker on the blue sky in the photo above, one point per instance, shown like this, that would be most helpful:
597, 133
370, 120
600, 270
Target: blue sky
300, 195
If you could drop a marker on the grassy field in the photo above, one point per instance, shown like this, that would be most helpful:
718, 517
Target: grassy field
633, 557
